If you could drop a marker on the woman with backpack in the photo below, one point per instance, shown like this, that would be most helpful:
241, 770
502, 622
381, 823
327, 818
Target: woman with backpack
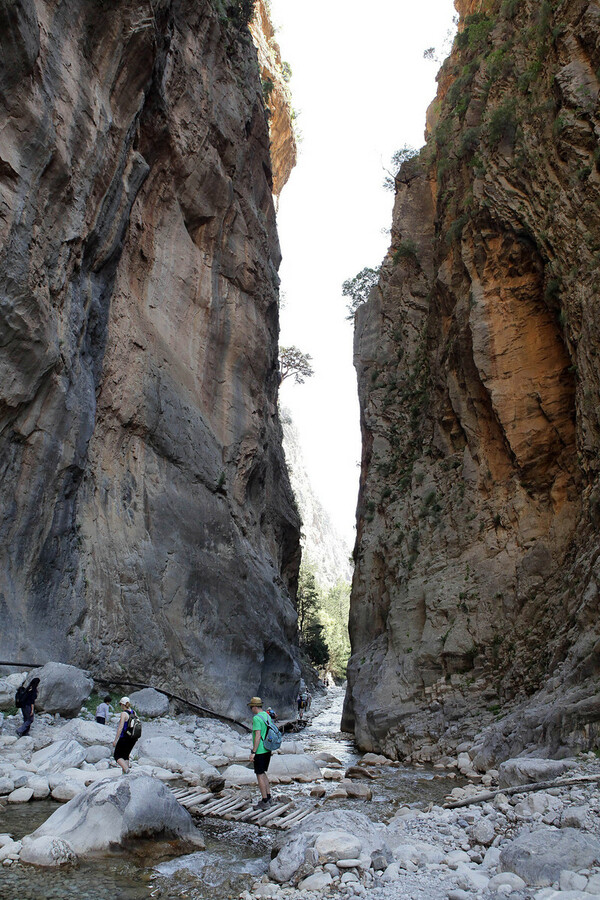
128, 731
28, 706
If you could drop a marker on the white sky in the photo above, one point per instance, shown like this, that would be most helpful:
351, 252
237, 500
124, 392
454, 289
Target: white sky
361, 88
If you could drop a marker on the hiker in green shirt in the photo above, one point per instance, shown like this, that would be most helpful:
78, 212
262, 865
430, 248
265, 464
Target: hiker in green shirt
259, 756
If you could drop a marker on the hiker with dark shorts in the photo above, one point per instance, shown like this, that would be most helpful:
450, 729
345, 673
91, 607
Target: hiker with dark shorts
28, 707
259, 756
124, 742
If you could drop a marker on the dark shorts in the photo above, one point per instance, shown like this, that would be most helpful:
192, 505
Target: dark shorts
125, 745
261, 762
101, 720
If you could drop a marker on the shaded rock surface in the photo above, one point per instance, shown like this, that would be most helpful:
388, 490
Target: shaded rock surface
147, 522
475, 598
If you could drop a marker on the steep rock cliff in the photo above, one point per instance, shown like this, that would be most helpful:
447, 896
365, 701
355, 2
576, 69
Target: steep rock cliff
475, 597
148, 529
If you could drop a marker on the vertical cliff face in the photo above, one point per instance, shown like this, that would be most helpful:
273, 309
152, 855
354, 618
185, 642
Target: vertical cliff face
475, 597
148, 526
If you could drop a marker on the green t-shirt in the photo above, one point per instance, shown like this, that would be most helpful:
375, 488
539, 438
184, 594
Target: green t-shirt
259, 723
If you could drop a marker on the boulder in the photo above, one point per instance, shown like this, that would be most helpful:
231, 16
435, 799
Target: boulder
62, 689
21, 795
539, 856
295, 765
289, 859
150, 703
7, 785
334, 845
319, 881
47, 851
8, 687
97, 752
170, 754
114, 811
239, 775
58, 756
86, 733
40, 787
527, 770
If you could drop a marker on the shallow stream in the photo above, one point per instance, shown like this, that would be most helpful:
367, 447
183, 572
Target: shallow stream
236, 854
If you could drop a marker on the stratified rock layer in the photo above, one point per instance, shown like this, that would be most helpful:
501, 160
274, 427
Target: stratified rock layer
147, 529
476, 583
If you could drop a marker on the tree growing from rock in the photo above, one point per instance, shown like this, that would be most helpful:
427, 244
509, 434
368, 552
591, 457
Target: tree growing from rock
293, 363
359, 288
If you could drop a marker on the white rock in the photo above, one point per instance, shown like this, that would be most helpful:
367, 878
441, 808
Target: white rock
265, 890
483, 832
58, 756
10, 850
593, 885
334, 845
316, 882
7, 785
348, 878
66, 790
40, 787
524, 770
491, 858
455, 857
21, 795
149, 702
97, 752
47, 850
114, 810
509, 878
169, 754
392, 873
572, 881
574, 817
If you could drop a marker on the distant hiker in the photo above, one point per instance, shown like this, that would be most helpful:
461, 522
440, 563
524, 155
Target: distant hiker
103, 710
300, 705
259, 756
308, 701
128, 731
271, 712
28, 706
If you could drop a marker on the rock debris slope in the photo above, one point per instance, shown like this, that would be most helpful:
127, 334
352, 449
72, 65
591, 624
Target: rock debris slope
147, 528
475, 598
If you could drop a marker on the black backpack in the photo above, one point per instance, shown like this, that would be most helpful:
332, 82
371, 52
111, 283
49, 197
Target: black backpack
20, 696
134, 726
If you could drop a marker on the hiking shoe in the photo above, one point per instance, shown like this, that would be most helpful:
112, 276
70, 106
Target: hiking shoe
262, 805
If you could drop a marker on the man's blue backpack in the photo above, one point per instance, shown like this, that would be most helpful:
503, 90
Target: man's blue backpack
273, 737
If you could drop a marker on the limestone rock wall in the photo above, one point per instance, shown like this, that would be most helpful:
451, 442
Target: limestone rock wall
148, 528
475, 597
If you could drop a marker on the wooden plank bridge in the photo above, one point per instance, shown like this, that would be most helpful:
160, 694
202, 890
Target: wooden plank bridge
282, 814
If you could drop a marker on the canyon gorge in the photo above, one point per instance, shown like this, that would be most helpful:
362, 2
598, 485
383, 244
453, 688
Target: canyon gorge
474, 611
148, 528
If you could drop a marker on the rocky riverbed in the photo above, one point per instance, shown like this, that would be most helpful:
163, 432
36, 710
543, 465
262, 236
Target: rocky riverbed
521, 843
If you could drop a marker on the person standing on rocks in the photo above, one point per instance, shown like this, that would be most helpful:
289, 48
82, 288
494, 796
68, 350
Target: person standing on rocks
103, 710
124, 742
259, 756
28, 707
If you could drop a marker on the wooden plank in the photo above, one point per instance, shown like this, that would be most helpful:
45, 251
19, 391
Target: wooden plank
240, 815
183, 797
274, 812
294, 817
196, 800
220, 808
